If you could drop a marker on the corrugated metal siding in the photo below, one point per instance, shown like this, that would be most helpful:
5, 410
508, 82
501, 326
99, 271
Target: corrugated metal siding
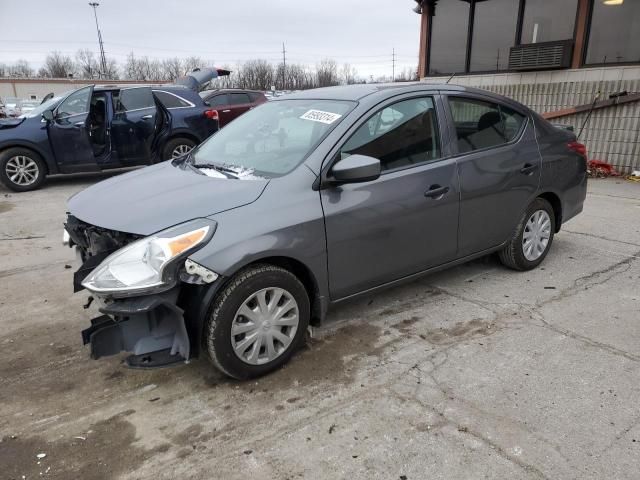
612, 134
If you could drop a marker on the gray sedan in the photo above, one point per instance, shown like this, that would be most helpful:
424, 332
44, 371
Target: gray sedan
236, 248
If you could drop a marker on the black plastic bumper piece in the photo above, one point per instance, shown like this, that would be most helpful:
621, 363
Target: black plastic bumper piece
151, 327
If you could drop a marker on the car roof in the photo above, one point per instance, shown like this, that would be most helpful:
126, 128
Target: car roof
359, 91
102, 88
228, 90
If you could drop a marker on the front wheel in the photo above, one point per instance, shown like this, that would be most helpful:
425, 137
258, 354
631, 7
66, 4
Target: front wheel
177, 147
257, 322
21, 169
532, 237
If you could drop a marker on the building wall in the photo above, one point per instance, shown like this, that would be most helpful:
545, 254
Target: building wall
26, 87
612, 134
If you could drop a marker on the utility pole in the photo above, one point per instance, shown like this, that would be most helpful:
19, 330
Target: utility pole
284, 68
393, 60
103, 60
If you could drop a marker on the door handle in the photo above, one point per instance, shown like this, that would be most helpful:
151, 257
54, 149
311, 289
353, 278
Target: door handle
226, 111
78, 124
147, 117
528, 169
436, 192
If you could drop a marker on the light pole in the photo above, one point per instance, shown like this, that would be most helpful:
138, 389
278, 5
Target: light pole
103, 60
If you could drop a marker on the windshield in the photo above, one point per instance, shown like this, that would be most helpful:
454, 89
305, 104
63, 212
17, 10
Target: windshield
274, 138
48, 105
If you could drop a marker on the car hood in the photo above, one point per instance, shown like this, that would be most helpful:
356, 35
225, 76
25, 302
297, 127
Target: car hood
10, 122
151, 199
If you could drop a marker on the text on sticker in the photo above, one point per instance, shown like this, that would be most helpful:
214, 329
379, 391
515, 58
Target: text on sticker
320, 116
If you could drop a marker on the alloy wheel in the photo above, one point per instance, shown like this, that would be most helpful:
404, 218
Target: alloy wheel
22, 170
181, 150
535, 237
264, 326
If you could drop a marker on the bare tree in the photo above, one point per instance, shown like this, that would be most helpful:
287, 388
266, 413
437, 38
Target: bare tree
20, 68
171, 68
348, 74
88, 66
191, 63
58, 65
327, 73
112, 72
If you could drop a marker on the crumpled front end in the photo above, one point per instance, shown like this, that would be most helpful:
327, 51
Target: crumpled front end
151, 325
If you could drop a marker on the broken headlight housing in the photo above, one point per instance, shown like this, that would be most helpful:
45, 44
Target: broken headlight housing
149, 264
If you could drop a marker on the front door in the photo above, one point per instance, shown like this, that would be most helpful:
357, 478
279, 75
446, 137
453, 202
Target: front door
134, 125
499, 165
240, 103
404, 222
220, 103
69, 132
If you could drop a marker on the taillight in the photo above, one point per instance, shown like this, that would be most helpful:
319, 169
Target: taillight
212, 114
579, 148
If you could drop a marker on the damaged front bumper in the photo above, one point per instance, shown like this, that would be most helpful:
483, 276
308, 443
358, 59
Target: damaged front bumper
152, 328
158, 328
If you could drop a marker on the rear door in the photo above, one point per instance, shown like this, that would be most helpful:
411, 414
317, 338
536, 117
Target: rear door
240, 102
220, 102
404, 222
69, 131
499, 168
134, 125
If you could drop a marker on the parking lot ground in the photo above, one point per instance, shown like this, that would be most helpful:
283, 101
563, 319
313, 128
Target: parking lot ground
475, 372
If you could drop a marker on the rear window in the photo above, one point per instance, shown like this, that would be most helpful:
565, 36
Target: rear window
134, 99
170, 100
239, 98
218, 100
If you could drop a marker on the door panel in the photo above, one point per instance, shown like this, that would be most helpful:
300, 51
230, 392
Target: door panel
134, 126
392, 227
494, 192
69, 133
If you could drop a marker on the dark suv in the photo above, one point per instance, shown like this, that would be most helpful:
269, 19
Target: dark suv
101, 127
232, 103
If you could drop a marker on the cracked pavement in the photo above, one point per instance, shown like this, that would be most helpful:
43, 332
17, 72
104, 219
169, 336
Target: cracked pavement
474, 372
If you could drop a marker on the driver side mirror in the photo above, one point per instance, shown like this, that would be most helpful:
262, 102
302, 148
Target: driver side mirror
48, 115
355, 169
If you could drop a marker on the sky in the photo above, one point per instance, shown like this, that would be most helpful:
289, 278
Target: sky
362, 33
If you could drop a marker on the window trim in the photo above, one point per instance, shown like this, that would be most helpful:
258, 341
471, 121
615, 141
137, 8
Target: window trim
452, 128
191, 104
442, 126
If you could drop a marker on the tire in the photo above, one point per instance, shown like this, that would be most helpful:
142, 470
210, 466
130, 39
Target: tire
515, 255
21, 169
242, 291
174, 145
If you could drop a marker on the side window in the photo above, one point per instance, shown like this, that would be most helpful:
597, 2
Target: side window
239, 98
400, 135
74, 104
513, 122
478, 124
169, 100
218, 100
135, 99
255, 96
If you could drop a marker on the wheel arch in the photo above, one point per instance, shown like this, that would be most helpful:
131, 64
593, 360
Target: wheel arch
48, 163
556, 204
182, 134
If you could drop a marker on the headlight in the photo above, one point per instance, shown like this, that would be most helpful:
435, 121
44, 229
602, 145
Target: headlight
143, 265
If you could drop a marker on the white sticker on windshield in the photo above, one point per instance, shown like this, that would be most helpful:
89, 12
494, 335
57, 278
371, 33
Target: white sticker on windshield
320, 116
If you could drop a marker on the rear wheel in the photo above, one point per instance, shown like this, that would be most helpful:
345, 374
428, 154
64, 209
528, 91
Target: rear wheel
257, 322
532, 237
21, 169
177, 147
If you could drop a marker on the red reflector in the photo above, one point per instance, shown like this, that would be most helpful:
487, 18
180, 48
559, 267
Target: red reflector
212, 114
578, 147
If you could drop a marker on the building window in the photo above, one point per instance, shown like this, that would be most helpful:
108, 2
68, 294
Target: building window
494, 32
548, 20
449, 29
615, 33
